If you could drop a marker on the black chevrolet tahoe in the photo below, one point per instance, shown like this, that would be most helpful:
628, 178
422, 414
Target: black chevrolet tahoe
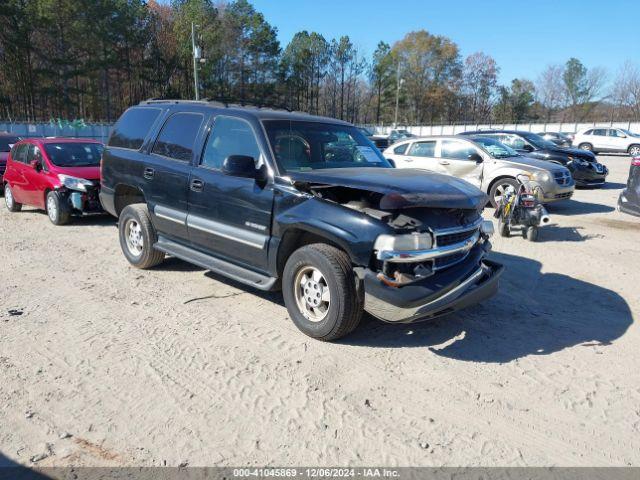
281, 200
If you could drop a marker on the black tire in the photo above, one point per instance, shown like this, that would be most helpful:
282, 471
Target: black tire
586, 146
498, 184
56, 209
140, 253
10, 201
503, 228
532, 234
345, 307
634, 150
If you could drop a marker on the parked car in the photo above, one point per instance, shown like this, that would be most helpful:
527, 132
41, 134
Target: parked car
257, 195
629, 200
616, 140
584, 168
59, 175
483, 162
380, 141
558, 138
7, 140
397, 135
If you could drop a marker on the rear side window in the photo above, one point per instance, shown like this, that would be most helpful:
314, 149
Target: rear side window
588, 132
178, 136
400, 149
133, 127
600, 131
19, 153
423, 149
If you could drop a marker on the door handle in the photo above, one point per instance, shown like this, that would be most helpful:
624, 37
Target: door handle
197, 185
408, 159
444, 162
148, 173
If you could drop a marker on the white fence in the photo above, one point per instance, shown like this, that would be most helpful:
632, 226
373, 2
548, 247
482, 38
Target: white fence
96, 131
426, 130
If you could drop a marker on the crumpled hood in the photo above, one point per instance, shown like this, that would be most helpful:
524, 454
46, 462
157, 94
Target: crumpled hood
576, 152
400, 187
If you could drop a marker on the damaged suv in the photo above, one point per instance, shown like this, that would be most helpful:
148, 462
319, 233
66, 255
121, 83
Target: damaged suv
280, 200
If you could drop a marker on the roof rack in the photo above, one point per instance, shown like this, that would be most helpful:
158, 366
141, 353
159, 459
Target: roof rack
220, 102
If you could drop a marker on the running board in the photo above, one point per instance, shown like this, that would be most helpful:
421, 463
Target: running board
234, 272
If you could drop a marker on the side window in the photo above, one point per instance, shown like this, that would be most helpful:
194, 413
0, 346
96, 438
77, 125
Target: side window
178, 136
456, 150
616, 133
229, 136
133, 127
602, 132
513, 141
423, 149
19, 153
588, 132
401, 149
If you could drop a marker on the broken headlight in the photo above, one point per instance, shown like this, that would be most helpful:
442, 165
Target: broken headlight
74, 183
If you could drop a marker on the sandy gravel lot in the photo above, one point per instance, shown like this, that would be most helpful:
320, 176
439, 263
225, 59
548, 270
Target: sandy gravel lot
103, 364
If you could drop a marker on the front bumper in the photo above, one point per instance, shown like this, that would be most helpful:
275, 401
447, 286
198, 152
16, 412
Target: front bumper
82, 203
590, 176
449, 290
549, 192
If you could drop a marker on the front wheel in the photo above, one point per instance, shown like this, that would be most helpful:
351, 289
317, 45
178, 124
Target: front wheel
10, 200
56, 210
137, 236
499, 188
320, 292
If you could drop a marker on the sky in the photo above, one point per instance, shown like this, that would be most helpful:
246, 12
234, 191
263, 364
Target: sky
523, 36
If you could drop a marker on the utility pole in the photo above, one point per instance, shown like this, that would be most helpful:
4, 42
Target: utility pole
196, 57
398, 83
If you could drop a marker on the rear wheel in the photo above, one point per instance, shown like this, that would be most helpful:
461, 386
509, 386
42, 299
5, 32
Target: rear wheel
634, 150
56, 210
137, 237
319, 289
586, 146
10, 200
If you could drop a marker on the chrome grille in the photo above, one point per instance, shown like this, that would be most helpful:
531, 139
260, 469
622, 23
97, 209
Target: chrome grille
451, 238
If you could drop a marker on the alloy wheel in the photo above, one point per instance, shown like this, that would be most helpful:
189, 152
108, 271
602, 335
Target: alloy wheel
634, 151
312, 294
501, 190
52, 208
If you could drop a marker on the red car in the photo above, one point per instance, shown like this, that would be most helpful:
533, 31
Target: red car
59, 175
7, 140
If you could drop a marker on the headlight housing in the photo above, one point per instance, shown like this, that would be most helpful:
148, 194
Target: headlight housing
74, 183
541, 176
405, 243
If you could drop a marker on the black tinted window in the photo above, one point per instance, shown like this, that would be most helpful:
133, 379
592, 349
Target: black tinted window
133, 127
230, 136
600, 131
19, 153
178, 136
6, 142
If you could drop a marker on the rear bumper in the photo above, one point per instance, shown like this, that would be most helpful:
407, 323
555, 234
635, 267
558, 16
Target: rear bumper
107, 200
457, 287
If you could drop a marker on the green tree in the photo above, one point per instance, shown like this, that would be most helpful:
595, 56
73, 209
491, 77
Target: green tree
382, 77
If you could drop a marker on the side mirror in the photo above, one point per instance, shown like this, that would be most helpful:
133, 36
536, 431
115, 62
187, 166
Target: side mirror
241, 166
35, 164
475, 157
527, 148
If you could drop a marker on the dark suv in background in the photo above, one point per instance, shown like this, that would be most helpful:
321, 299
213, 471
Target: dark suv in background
7, 140
584, 168
275, 199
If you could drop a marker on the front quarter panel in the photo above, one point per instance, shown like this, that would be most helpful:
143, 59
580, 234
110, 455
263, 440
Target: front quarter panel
353, 231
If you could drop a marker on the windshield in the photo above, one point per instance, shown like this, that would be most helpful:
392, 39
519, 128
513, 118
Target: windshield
495, 148
627, 132
74, 154
538, 142
7, 142
302, 146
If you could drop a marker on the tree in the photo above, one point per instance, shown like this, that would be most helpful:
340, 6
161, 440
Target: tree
382, 76
515, 102
429, 65
626, 91
582, 86
550, 89
479, 83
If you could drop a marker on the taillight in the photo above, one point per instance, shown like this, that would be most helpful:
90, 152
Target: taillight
635, 161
